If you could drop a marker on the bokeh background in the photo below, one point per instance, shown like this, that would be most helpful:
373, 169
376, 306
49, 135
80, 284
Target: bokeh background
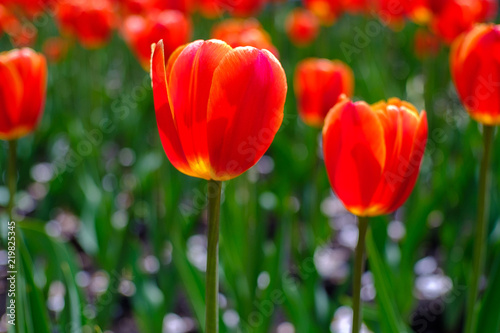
111, 238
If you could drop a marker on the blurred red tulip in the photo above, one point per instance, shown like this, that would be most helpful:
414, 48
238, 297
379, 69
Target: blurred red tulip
326, 10
244, 32
475, 68
426, 44
23, 84
21, 34
144, 7
55, 48
357, 6
420, 11
217, 108
90, 21
319, 84
30, 8
141, 32
392, 12
453, 17
302, 26
373, 154
242, 8
210, 8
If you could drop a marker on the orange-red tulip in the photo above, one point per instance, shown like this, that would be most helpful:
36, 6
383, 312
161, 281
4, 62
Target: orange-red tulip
326, 10
217, 108
302, 26
475, 68
244, 32
90, 21
23, 84
373, 154
170, 25
319, 84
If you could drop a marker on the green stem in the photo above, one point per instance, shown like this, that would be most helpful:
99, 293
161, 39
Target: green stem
212, 275
12, 177
359, 267
481, 229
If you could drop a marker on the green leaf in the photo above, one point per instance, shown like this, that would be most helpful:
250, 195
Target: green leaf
489, 312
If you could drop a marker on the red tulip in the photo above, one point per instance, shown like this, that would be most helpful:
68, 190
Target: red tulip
452, 17
475, 68
244, 32
55, 48
426, 44
217, 108
392, 12
90, 21
21, 33
326, 10
242, 8
319, 84
170, 25
30, 8
210, 8
357, 6
23, 84
373, 154
302, 26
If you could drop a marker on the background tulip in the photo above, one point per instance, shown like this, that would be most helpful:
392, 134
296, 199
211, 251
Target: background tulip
475, 70
244, 32
453, 17
170, 25
90, 21
326, 10
242, 8
217, 108
373, 154
319, 83
302, 26
23, 82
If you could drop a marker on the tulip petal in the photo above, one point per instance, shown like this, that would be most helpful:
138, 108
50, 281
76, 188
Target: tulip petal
400, 121
189, 89
245, 110
10, 99
164, 119
355, 153
415, 159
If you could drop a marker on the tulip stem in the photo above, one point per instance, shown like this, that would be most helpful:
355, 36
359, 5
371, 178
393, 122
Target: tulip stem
12, 177
481, 229
212, 275
359, 267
